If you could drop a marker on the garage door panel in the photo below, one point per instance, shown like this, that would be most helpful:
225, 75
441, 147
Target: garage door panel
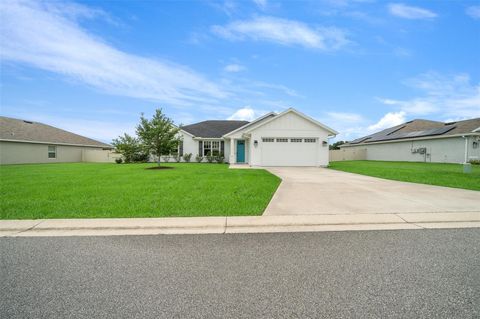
289, 154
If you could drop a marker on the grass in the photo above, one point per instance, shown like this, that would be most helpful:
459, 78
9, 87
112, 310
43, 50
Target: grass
450, 175
91, 190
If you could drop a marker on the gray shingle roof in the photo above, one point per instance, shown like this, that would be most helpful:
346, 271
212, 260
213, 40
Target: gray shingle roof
21, 130
213, 129
419, 129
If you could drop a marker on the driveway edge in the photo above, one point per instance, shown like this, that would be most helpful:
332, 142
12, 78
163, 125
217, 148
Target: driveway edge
237, 224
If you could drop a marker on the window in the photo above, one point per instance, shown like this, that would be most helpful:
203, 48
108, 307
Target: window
268, 139
212, 148
310, 140
282, 140
296, 140
52, 152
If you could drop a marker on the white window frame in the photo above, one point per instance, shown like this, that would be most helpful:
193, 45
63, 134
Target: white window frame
54, 152
212, 147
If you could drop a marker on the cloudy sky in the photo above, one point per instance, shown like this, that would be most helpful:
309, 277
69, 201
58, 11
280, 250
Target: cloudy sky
358, 66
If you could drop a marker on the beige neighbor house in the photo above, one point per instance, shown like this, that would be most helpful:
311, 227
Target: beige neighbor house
290, 138
31, 142
418, 141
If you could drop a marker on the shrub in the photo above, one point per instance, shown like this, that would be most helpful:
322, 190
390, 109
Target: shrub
119, 160
177, 158
166, 158
187, 157
474, 162
220, 159
131, 149
210, 158
199, 158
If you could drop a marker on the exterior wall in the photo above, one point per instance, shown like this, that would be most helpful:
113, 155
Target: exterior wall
445, 150
191, 146
22, 153
348, 154
99, 156
289, 125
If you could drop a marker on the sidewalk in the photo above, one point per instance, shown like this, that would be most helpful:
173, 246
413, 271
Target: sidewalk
240, 224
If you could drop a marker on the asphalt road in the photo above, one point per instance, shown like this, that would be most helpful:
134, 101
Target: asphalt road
370, 274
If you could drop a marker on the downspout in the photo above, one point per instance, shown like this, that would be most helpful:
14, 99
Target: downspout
466, 149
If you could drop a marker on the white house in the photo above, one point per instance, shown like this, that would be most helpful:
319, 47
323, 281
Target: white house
421, 141
289, 138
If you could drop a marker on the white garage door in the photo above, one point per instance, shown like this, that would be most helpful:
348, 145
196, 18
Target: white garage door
289, 151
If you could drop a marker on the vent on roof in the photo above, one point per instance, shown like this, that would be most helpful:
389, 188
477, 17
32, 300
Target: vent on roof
28, 122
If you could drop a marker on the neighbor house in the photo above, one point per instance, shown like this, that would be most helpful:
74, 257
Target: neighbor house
421, 141
32, 142
289, 138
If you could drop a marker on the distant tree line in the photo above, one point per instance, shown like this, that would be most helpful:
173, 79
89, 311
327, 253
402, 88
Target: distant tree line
336, 145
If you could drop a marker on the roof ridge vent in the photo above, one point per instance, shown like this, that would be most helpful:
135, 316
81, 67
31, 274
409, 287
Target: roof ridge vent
450, 123
28, 122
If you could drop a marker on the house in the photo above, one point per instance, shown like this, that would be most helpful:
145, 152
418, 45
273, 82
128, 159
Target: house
289, 138
32, 142
422, 141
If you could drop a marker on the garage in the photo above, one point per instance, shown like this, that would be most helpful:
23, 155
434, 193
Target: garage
289, 151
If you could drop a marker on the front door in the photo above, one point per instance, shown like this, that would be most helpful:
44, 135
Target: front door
240, 151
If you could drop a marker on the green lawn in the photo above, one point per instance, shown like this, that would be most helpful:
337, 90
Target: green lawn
88, 190
450, 175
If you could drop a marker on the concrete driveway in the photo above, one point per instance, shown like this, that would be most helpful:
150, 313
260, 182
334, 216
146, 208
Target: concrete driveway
309, 190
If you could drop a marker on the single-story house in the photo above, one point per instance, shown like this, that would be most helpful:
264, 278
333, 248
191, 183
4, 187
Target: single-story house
289, 138
32, 142
422, 141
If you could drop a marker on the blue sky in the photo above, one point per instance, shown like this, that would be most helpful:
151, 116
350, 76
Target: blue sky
357, 66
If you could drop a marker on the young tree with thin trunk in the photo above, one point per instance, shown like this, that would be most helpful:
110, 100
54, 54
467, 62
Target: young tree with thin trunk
159, 135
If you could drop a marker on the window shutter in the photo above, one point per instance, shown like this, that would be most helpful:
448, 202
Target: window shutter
180, 148
222, 148
200, 144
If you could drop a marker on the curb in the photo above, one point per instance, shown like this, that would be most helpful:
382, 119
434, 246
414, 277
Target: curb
237, 224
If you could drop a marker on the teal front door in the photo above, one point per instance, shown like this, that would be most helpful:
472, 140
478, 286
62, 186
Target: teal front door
240, 151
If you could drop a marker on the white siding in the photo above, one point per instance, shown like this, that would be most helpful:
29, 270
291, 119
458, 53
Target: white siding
445, 150
290, 125
189, 145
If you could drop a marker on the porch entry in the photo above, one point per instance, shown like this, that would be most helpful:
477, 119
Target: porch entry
240, 151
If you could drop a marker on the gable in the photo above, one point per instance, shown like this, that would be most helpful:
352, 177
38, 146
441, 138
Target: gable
293, 120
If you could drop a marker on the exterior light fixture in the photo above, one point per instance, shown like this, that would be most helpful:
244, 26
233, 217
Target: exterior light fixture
255, 143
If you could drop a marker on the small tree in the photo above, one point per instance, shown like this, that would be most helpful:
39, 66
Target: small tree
159, 135
130, 148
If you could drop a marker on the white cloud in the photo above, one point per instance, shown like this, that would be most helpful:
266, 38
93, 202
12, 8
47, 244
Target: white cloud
234, 68
347, 118
246, 114
262, 4
445, 96
409, 12
47, 35
284, 32
474, 12
388, 120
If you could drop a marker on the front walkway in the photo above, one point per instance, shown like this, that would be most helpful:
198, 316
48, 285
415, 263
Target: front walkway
307, 191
